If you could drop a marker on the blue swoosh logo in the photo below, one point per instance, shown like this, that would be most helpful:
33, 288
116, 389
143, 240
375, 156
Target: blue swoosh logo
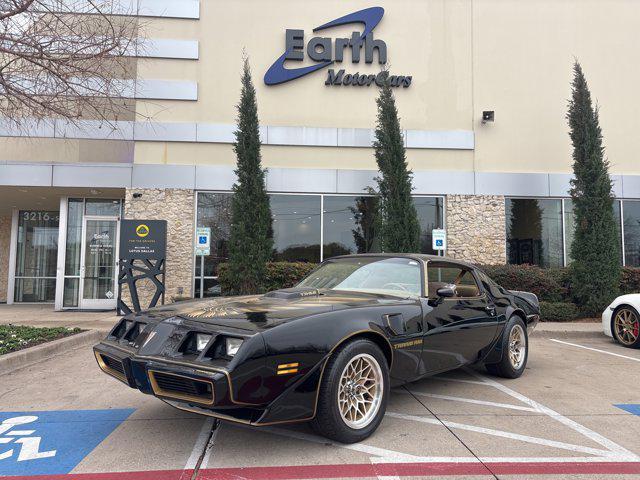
277, 73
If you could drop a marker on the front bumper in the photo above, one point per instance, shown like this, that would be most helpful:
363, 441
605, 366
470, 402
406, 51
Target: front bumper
606, 321
194, 388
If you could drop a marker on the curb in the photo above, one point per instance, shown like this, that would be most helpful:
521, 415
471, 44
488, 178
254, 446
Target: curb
568, 334
29, 356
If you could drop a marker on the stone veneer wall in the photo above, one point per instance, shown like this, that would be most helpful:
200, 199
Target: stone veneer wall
476, 229
5, 240
176, 206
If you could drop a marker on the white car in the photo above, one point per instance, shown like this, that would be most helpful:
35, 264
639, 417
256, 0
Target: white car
621, 320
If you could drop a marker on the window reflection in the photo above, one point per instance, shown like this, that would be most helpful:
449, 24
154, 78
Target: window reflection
534, 232
296, 227
430, 216
570, 226
349, 225
632, 233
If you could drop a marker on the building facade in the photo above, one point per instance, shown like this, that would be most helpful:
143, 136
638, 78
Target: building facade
481, 87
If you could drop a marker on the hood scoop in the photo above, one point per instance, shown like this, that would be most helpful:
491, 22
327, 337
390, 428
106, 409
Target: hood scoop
293, 293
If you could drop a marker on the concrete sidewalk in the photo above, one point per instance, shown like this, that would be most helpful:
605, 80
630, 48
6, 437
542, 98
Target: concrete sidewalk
44, 316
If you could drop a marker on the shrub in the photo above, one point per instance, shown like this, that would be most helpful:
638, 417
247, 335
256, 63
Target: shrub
558, 311
630, 282
277, 275
549, 285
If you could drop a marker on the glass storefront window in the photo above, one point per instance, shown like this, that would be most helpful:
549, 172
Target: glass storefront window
570, 226
631, 219
430, 215
349, 225
534, 232
346, 222
214, 211
36, 256
296, 227
100, 206
73, 250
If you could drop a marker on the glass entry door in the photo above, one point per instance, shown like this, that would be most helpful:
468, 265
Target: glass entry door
98, 267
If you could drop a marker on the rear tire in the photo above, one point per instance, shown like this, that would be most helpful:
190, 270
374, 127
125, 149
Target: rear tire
625, 326
515, 350
353, 394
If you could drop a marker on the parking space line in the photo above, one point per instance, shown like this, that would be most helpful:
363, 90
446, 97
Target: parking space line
596, 350
200, 445
613, 447
503, 434
469, 400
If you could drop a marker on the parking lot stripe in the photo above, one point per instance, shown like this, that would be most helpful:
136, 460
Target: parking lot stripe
503, 434
200, 445
590, 434
596, 350
468, 400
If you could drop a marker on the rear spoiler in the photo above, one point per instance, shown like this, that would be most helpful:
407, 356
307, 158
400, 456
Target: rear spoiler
530, 298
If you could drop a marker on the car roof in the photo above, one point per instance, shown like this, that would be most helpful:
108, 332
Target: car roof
420, 256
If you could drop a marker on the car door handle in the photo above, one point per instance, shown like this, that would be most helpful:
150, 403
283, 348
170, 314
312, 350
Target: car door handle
491, 309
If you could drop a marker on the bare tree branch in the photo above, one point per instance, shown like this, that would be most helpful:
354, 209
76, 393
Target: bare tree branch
67, 59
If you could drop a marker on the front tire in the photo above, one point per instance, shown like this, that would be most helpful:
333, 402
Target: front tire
515, 350
353, 393
625, 326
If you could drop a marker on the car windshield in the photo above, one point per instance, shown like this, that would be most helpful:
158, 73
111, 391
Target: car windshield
388, 276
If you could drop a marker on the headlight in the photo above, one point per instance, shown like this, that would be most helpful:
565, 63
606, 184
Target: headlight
232, 345
201, 341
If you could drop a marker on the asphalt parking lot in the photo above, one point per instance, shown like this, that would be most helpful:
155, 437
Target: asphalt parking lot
575, 413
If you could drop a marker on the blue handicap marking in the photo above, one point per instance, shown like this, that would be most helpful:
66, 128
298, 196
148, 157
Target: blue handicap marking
438, 243
202, 240
53, 442
632, 408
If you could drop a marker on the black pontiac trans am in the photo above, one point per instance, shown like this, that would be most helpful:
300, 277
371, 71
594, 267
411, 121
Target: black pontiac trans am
328, 350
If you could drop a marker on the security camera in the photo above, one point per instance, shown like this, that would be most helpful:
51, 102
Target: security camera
137, 195
488, 116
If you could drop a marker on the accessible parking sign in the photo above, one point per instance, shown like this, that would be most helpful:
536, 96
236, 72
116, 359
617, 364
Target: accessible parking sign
53, 442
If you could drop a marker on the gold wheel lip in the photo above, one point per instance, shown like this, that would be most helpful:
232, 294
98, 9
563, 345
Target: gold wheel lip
623, 327
376, 399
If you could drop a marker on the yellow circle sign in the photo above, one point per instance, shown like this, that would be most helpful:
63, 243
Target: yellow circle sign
142, 230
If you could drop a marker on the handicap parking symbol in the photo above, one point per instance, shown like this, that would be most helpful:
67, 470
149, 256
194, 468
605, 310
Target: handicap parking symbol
202, 240
52, 442
438, 243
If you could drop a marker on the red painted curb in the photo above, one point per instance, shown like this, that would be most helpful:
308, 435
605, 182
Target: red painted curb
417, 469
303, 472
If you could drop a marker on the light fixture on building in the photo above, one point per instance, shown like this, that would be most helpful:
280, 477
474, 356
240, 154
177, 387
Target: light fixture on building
488, 116
137, 195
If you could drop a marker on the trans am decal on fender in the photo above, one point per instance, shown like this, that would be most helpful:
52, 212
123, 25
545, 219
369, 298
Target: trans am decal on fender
328, 350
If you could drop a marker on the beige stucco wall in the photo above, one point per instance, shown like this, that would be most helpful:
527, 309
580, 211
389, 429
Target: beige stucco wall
176, 206
523, 54
465, 56
5, 241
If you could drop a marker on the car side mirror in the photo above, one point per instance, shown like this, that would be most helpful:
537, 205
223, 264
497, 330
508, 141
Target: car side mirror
446, 292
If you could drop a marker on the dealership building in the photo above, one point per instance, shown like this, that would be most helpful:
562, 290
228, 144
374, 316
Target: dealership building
481, 87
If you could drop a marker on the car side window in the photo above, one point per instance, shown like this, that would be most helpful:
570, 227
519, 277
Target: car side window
440, 274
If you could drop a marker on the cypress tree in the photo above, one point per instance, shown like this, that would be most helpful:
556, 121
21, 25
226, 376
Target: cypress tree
251, 234
399, 226
595, 271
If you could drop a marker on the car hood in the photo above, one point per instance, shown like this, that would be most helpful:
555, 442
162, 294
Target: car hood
260, 312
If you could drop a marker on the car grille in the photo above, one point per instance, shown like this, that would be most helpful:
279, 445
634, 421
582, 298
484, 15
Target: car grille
112, 366
181, 387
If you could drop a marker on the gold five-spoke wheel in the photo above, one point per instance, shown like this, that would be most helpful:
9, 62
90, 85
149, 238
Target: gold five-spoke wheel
626, 324
360, 391
517, 347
